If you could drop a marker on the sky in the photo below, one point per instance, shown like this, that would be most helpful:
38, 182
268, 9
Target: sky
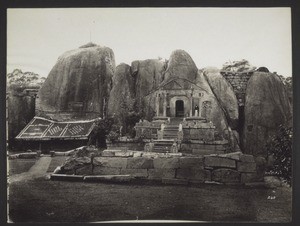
212, 36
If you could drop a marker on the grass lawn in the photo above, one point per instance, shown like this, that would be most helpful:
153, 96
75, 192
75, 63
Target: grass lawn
42, 200
17, 166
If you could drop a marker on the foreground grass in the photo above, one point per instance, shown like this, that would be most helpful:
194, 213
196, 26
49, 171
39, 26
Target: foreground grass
17, 166
41, 200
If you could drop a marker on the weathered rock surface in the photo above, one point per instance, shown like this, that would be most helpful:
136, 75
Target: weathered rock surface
79, 83
266, 107
224, 94
147, 75
122, 95
217, 113
181, 65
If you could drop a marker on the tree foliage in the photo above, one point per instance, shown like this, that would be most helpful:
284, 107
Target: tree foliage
18, 78
100, 132
238, 66
280, 147
288, 85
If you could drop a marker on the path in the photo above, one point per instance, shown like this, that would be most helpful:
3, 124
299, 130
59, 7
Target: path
39, 169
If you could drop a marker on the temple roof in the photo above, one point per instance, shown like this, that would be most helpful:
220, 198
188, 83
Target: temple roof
178, 84
44, 129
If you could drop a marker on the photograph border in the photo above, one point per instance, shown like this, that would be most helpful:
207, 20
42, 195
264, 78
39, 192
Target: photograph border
5, 4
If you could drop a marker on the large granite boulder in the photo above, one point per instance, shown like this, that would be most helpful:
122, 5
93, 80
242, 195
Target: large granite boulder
79, 84
266, 107
122, 95
216, 114
181, 65
224, 93
147, 74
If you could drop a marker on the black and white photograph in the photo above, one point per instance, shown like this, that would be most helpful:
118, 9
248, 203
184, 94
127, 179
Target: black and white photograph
149, 114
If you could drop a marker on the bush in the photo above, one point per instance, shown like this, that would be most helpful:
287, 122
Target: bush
280, 147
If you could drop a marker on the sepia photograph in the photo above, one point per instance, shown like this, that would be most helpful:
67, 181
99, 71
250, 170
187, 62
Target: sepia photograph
149, 114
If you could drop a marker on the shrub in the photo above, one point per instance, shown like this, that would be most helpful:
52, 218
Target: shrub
280, 147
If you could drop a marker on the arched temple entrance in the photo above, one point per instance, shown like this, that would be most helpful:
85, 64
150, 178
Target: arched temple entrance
179, 108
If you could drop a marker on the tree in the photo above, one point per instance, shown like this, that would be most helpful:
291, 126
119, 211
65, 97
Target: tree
288, 85
100, 132
238, 66
280, 147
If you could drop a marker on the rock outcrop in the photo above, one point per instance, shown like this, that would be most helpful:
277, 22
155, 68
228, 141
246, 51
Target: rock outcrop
79, 84
122, 95
148, 74
266, 107
217, 114
224, 93
181, 65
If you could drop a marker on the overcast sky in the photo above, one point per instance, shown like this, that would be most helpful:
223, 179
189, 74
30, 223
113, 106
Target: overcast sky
212, 36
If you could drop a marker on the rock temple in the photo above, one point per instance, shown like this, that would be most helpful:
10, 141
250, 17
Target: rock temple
185, 109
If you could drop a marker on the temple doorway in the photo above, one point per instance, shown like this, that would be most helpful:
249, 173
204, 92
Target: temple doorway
179, 107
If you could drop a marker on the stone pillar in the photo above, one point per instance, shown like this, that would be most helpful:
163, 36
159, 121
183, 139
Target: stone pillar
157, 104
191, 106
200, 107
165, 105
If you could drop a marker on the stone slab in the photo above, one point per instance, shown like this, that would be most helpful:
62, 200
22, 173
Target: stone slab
233, 155
98, 170
113, 162
107, 154
247, 158
124, 154
174, 181
27, 155
138, 173
205, 152
246, 167
65, 177
166, 163
161, 173
215, 161
188, 162
139, 163
226, 176
112, 178
193, 174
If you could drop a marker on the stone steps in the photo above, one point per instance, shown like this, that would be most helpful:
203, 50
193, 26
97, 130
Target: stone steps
162, 146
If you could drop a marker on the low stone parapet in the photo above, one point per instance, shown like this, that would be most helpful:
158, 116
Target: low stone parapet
231, 168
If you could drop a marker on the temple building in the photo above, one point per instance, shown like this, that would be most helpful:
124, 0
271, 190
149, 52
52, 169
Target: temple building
180, 97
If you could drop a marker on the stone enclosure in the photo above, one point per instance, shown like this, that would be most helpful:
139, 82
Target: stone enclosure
173, 168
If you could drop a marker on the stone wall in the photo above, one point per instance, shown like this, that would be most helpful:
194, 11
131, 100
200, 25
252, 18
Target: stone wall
238, 81
233, 168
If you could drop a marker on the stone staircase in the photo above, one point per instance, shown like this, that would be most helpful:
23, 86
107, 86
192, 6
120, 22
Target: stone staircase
162, 146
169, 135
